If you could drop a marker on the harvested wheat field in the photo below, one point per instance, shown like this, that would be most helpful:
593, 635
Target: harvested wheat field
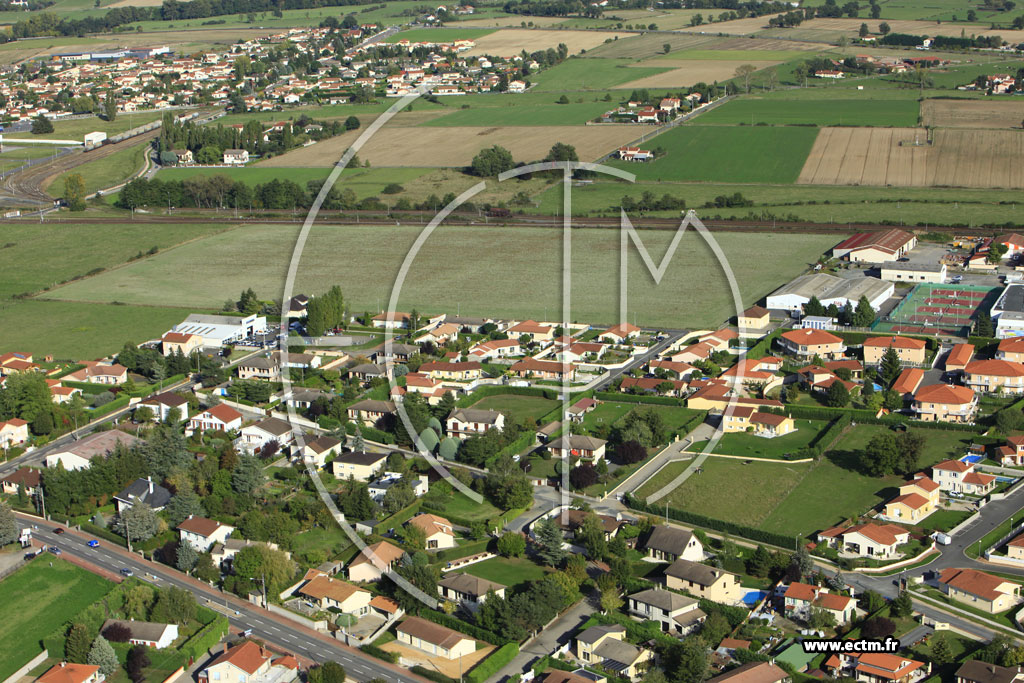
511, 41
512, 20
456, 146
736, 27
696, 71
875, 156
765, 44
988, 113
649, 45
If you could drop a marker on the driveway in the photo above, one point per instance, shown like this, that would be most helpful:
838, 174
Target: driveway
551, 638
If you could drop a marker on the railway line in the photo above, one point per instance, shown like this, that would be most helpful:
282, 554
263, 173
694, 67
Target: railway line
272, 217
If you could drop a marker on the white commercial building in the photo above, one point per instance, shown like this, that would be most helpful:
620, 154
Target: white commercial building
217, 330
829, 290
1008, 312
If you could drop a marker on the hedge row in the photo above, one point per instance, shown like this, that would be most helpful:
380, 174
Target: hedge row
858, 338
829, 434
764, 346
465, 627
464, 550
638, 398
868, 417
370, 433
524, 441
496, 389
380, 653
206, 637
105, 534
493, 664
750, 533
399, 518
432, 675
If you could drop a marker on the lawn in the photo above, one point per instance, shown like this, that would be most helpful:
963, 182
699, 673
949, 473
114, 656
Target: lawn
508, 571
332, 541
72, 330
605, 414
462, 506
491, 264
760, 154
439, 35
823, 112
37, 600
572, 114
105, 172
751, 446
518, 407
939, 444
592, 74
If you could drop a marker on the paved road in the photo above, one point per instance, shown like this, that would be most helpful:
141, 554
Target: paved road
273, 628
550, 639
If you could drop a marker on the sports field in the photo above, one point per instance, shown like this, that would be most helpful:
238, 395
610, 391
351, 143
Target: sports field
929, 308
902, 156
753, 110
466, 268
761, 154
37, 599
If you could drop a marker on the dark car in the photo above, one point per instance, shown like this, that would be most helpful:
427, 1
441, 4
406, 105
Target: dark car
58, 530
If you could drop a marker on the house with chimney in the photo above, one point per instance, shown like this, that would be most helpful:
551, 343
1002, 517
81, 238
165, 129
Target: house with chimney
142, 491
250, 663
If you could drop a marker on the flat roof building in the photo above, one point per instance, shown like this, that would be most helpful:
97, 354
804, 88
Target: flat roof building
829, 290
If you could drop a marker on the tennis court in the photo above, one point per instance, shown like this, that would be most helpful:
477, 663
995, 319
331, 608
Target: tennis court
938, 309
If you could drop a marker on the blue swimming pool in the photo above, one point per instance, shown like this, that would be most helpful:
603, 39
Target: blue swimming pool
972, 458
753, 597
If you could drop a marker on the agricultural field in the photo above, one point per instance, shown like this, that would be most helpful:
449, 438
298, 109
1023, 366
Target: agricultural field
511, 41
724, 155
713, 53
572, 114
988, 113
491, 263
824, 29
454, 146
37, 599
438, 35
944, 10
755, 110
903, 157
365, 182
647, 45
680, 73
592, 74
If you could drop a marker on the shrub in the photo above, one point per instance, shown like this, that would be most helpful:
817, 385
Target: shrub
493, 664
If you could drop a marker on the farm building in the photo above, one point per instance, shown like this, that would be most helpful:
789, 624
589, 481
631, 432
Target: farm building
829, 290
876, 247
899, 271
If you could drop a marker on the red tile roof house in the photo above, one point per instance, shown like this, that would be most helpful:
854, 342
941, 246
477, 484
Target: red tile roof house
945, 403
1011, 349
877, 667
97, 373
990, 376
220, 417
202, 533
13, 432
959, 477
541, 369
959, 356
621, 333
800, 598
866, 540
72, 673
250, 663
989, 593
1013, 452
809, 342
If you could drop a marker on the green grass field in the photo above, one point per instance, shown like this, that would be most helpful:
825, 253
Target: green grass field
748, 445
439, 35
37, 600
462, 506
591, 74
14, 157
75, 129
491, 263
752, 55
762, 154
105, 172
572, 114
872, 112
508, 571
518, 407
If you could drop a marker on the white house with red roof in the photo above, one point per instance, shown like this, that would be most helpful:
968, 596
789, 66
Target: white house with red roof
808, 342
621, 333
945, 403
1012, 453
202, 533
877, 667
917, 499
100, 373
800, 598
958, 476
13, 432
220, 417
990, 593
635, 153
250, 663
866, 540
66, 672
495, 348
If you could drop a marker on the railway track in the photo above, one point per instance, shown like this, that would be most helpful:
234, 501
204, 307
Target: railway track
270, 217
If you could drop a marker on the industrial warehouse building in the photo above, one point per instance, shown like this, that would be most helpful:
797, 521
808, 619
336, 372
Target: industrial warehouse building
829, 290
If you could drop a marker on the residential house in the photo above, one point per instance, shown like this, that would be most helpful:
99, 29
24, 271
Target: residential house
142, 491
220, 417
1011, 349
754, 672
908, 382
438, 530
983, 591
162, 404
269, 430
918, 499
367, 372
807, 343
180, 342
876, 667
327, 592
434, 639
442, 334
267, 368
358, 465
753, 321
391, 321
958, 476
468, 591
676, 613
704, 581
148, 633
250, 663
801, 598
532, 368
100, 373
571, 520
976, 671
994, 375
621, 333
201, 533
13, 432
1012, 454
77, 455
945, 403
465, 422
400, 353
374, 561
65, 672
236, 157
910, 351
866, 540
1015, 548
578, 410
26, 478
319, 449
369, 412
495, 348
961, 354
669, 543
605, 646
588, 448
379, 487
533, 330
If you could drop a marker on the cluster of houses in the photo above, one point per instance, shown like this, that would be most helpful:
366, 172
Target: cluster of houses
639, 112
